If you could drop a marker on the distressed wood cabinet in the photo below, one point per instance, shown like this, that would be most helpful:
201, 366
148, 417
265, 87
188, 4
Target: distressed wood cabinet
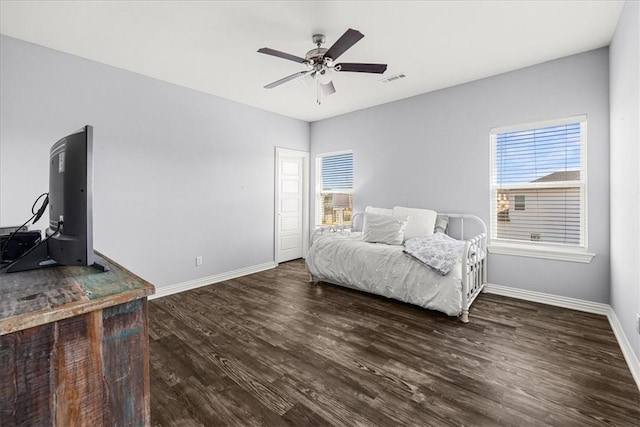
74, 347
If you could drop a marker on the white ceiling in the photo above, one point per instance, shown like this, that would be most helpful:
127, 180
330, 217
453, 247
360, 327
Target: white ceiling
210, 46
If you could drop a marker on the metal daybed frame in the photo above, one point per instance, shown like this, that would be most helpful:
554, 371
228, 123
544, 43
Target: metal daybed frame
473, 263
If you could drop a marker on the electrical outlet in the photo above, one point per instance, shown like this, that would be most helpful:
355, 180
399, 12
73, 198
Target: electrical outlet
198, 261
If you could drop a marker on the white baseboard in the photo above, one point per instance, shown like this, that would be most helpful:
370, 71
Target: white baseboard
163, 291
580, 305
625, 346
550, 299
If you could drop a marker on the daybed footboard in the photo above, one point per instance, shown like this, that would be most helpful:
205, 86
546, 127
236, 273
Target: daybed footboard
474, 263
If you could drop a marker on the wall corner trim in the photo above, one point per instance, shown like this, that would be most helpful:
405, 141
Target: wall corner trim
625, 346
580, 305
163, 291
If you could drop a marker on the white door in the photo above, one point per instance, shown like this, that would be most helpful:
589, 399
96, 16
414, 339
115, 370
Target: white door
292, 228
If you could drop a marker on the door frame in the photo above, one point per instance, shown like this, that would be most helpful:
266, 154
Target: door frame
305, 199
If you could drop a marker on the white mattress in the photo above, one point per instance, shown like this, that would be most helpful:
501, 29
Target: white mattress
343, 259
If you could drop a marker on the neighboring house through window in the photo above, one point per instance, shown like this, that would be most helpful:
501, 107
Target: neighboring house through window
334, 188
538, 184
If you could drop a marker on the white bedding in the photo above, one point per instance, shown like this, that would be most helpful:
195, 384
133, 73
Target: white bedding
344, 259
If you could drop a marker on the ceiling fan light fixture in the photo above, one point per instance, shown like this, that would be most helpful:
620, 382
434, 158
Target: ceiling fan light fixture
324, 76
327, 88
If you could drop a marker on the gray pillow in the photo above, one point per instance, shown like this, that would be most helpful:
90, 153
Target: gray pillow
384, 229
442, 224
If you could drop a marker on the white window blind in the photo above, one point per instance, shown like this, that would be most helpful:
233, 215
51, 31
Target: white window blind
334, 188
337, 172
538, 183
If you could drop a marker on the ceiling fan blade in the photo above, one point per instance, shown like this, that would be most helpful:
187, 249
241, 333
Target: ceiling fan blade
361, 68
348, 39
284, 55
286, 79
328, 88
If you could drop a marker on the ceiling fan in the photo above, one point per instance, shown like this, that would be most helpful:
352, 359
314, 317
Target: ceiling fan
320, 60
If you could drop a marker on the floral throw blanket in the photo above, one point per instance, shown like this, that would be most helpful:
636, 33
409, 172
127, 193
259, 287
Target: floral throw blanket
438, 252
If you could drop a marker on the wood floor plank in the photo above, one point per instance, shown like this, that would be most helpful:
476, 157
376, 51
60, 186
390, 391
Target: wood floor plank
300, 415
272, 349
173, 411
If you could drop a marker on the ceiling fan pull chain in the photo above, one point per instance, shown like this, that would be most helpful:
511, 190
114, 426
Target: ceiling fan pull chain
318, 93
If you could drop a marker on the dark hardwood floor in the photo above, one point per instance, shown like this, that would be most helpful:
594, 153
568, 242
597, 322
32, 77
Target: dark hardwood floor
271, 349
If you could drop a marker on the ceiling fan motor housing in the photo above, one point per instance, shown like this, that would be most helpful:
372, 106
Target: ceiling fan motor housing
316, 55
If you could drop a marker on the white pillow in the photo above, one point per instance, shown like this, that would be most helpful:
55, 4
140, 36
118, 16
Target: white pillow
383, 229
421, 221
378, 211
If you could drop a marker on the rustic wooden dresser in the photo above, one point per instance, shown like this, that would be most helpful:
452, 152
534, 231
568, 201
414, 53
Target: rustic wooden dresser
74, 347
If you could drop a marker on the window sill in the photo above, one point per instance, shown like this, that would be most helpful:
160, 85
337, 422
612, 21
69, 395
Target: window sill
333, 228
558, 254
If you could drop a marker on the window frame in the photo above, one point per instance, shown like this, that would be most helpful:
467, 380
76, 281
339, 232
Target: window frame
536, 249
318, 185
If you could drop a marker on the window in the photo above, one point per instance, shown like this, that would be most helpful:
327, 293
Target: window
334, 188
544, 165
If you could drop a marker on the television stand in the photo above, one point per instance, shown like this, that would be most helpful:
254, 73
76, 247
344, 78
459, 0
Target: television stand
38, 257
74, 343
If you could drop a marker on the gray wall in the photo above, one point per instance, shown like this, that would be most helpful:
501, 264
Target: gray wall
178, 173
625, 174
432, 151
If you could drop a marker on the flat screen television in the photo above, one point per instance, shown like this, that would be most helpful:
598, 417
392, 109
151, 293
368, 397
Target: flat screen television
69, 237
